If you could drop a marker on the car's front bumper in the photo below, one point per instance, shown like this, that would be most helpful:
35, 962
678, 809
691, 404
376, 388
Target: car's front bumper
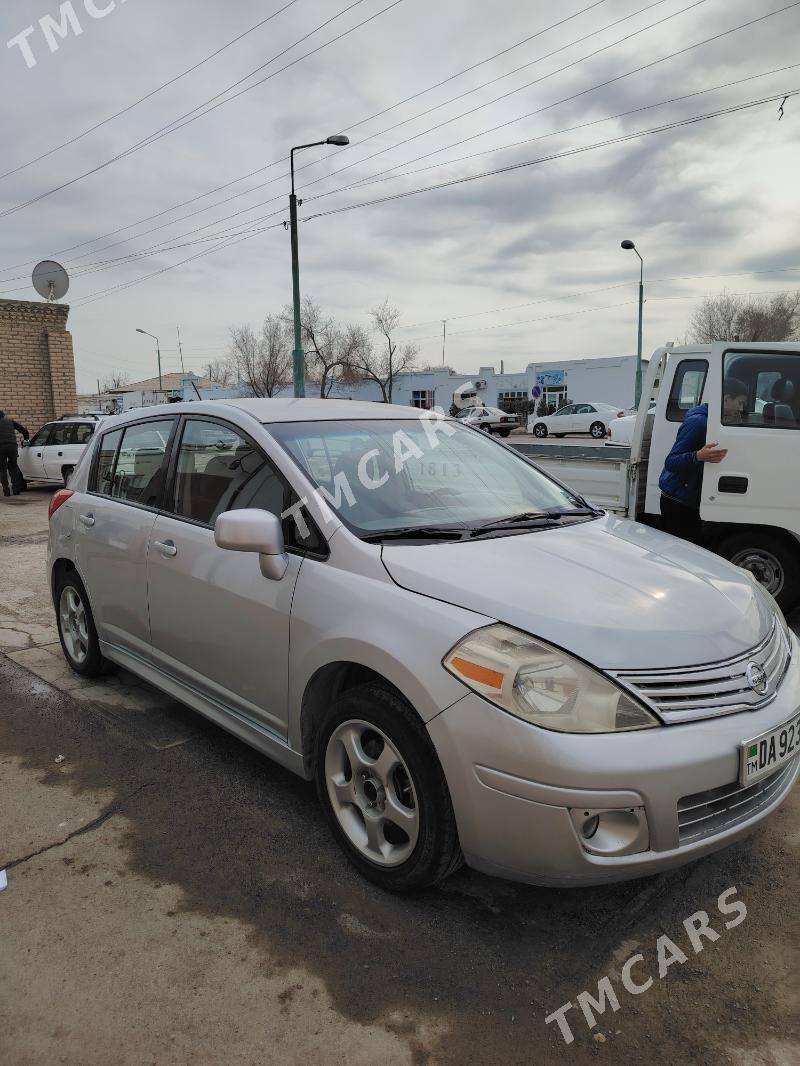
515, 787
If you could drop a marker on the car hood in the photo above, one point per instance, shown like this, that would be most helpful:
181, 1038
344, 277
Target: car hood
616, 593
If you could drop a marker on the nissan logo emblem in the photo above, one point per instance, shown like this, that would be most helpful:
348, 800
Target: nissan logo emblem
757, 678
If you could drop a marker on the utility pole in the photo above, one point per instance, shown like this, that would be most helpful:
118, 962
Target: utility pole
629, 246
444, 337
298, 356
180, 349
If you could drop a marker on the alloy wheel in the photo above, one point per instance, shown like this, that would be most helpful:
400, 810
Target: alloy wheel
74, 624
372, 793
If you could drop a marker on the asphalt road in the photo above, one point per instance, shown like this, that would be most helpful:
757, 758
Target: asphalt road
173, 897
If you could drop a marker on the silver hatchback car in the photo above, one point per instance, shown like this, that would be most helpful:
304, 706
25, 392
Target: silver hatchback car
472, 662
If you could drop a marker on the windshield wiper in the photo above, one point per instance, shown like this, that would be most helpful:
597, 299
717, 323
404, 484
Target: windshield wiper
534, 519
416, 533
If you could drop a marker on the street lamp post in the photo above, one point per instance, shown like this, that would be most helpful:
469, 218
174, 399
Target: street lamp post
158, 353
299, 367
630, 246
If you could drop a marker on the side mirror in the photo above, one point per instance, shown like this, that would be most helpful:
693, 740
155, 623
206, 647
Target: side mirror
253, 530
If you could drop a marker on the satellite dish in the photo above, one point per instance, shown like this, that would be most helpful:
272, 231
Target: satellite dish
50, 280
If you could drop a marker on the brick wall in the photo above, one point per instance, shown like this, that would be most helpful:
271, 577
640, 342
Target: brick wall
37, 369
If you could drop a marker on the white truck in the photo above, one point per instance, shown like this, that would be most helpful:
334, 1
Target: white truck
750, 503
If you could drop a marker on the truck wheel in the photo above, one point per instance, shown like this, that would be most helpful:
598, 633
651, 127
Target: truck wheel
773, 561
383, 791
540, 430
597, 430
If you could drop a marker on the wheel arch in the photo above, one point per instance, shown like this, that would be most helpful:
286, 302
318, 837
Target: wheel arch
719, 532
323, 688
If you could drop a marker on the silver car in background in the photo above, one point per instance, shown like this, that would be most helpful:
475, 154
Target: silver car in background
470, 661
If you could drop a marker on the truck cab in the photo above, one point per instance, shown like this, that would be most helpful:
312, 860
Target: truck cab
750, 502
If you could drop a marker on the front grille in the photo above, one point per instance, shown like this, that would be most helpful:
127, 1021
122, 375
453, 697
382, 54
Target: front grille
707, 813
686, 695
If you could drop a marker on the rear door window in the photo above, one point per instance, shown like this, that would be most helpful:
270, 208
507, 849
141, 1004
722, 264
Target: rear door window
104, 470
140, 468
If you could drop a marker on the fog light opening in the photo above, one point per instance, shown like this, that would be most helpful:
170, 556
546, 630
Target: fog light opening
611, 831
589, 827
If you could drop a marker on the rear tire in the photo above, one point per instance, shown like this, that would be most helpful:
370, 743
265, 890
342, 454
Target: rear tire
597, 430
540, 430
771, 559
76, 628
383, 791
504, 432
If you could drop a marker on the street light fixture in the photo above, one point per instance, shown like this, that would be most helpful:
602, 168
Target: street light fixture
629, 246
299, 368
158, 353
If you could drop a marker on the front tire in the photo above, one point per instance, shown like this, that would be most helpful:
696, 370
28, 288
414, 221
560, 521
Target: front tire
76, 628
485, 428
597, 430
383, 791
540, 430
773, 561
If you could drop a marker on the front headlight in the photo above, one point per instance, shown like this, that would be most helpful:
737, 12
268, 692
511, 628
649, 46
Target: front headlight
542, 684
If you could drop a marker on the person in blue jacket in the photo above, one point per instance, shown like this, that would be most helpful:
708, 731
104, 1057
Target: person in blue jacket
682, 477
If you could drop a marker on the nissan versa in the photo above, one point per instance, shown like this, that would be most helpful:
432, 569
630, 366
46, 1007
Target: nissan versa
471, 661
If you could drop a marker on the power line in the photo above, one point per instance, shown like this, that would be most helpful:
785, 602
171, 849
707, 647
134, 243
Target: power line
569, 129
147, 96
621, 139
253, 207
361, 122
191, 116
242, 236
566, 99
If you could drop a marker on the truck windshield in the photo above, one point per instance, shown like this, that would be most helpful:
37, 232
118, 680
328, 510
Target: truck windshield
386, 474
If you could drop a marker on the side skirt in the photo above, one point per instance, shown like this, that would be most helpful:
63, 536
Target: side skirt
251, 732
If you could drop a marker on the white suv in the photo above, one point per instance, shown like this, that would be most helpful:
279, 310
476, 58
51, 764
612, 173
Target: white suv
53, 452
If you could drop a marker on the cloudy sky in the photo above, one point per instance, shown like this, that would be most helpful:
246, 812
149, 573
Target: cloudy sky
524, 265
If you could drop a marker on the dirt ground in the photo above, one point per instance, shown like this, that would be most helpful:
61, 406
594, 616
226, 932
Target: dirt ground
173, 897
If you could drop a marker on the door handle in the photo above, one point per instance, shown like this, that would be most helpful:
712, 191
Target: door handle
60, 453
733, 484
87, 519
166, 547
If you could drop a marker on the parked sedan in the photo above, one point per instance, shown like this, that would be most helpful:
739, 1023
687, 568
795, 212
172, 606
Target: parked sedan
620, 431
53, 451
489, 419
471, 662
591, 418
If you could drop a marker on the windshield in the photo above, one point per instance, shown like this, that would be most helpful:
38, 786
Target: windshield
386, 475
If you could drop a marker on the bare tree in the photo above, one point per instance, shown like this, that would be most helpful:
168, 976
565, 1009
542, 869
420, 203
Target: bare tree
262, 360
221, 372
118, 379
390, 359
728, 317
327, 347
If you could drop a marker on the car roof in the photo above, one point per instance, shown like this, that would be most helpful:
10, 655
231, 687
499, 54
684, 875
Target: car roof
289, 409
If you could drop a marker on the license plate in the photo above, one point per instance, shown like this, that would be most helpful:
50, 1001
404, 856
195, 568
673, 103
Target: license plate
763, 755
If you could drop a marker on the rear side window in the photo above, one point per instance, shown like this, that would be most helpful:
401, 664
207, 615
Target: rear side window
82, 433
767, 387
62, 433
104, 471
140, 466
687, 388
